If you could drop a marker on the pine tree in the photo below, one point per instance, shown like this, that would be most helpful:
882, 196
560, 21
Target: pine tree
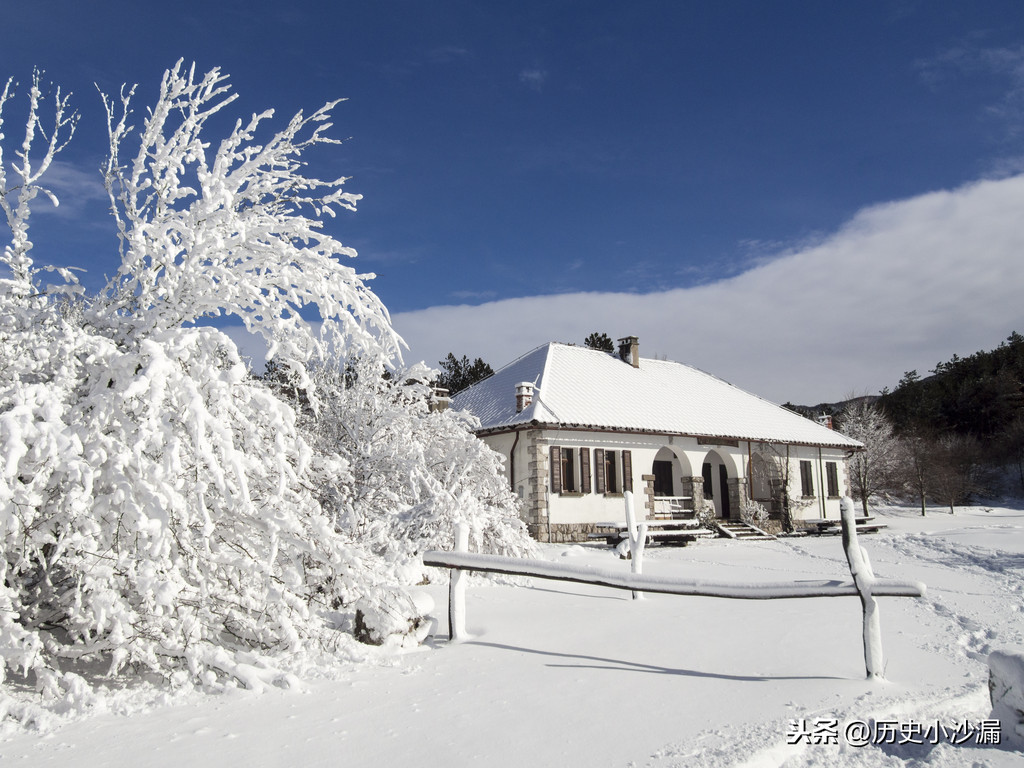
599, 341
456, 375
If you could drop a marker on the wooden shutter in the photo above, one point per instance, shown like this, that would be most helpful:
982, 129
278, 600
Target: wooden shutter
806, 479
627, 471
599, 481
585, 470
556, 469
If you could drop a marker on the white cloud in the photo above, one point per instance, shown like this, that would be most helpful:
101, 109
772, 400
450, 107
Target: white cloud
533, 78
902, 285
74, 187
970, 58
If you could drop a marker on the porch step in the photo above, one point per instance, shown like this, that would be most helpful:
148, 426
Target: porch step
737, 529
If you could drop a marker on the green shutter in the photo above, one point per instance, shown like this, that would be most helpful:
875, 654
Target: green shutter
585, 470
627, 471
556, 469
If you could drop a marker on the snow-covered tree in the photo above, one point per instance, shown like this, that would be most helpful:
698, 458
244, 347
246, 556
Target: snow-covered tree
875, 469
233, 232
156, 502
159, 507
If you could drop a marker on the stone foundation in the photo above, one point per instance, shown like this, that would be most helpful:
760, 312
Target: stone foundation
567, 533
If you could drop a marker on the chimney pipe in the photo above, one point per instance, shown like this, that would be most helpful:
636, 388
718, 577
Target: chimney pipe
524, 396
440, 400
629, 350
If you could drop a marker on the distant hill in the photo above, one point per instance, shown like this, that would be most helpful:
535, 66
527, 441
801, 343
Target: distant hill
832, 410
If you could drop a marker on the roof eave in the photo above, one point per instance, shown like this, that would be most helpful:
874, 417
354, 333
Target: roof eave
555, 426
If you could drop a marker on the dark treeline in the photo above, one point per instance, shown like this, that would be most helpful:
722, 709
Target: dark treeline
961, 428
980, 395
972, 410
946, 438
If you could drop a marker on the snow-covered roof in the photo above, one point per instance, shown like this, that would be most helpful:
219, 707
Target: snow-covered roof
587, 388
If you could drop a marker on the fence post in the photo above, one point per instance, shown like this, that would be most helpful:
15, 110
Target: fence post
637, 539
457, 588
864, 579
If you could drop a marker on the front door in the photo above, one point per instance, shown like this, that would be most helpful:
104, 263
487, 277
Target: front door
723, 488
663, 478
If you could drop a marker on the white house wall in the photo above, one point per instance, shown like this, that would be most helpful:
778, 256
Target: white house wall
579, 509
820, 504
548, 510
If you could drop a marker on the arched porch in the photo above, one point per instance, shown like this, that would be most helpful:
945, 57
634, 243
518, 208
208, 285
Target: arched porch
724, 483
671, 485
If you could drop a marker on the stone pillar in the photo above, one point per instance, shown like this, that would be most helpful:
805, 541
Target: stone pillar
648, 481
535, 506
737, 496
694, 488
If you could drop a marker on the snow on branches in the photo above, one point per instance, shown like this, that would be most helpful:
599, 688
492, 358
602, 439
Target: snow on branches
16, 199
237, 231
413, 472
162, 509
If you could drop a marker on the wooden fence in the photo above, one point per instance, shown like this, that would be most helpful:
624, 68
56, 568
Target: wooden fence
863, 583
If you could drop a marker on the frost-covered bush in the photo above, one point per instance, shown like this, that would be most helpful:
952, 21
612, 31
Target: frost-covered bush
706, 514
160, 508
753, 512
393, 617
412, 472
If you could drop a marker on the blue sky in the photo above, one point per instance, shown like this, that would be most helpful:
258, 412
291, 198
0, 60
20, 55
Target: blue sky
574, 166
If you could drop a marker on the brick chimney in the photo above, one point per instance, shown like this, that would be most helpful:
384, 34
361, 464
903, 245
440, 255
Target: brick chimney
524, 396
629, 350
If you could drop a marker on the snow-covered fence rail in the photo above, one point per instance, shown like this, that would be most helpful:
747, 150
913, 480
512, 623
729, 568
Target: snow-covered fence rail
759, 590
863, 585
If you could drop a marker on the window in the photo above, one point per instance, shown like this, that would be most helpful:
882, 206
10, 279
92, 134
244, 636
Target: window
570, 470
606, 471
806, 479
611, 473
832, 478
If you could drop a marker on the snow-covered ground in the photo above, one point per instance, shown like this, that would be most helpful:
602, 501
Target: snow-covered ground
568, 674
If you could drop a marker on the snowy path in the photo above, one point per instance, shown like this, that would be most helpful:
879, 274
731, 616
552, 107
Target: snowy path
583, 676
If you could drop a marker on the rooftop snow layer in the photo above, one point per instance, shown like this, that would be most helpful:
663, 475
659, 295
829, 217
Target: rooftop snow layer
583, 387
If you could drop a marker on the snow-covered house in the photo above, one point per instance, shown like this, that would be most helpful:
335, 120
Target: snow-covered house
579, 426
